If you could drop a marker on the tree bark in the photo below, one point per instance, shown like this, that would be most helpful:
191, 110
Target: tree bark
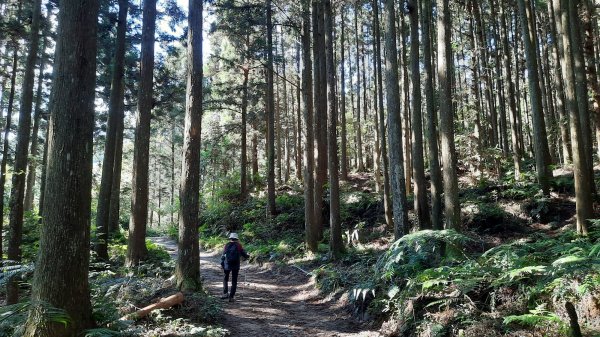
444, 71
405, 119
432, 134
17, 194
270, 117
298, 129
512, 104
344, 137
114, 111
583, 193
244, 150
7, 126
311, 236
590, 54
33, 151
320, 119
136, 248
420, 191
115, 194
9, 112
61, 271
187, 271
544, 174
359, 143
387, 199
397, 181
581, 90
563, 119
335, 241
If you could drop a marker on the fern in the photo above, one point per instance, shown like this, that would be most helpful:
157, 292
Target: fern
418, 251
13, 317
536, 317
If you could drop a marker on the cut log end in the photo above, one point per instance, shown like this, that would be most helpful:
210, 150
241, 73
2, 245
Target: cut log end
163, 303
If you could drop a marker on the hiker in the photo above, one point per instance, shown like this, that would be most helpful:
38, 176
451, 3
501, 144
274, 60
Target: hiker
230, 261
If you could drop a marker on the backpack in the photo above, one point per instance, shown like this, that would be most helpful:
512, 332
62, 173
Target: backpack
232, 253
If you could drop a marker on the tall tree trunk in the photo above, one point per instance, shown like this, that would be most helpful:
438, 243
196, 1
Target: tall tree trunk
500, 83
187, 271
7, 126
17, 194
283, 124
432, 135
485, 73
406, 112
563, 119
358, 131
420, 191
115, 102
33, 151
277, 116
588, 14
344, 145
270, 117
115, 194
335, 241
61, 271
581, 90
311, 236
172, 200
444, 71
512, 104
298, 129
387, 199
136, 248
583, 181
254, 146
44, 162
394, 125
320, 119
544, 174
244, 160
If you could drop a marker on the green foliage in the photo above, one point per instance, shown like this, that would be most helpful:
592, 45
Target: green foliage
156, 254
539, 272
417, 251
329, 278
365, 208
212, 242
173, 232
13, 317
31, 235
537, 317
563, 184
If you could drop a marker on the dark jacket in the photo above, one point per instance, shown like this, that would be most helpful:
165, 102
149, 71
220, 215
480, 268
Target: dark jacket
228, 266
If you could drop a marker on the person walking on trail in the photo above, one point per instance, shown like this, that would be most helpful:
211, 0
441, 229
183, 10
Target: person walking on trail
230, 261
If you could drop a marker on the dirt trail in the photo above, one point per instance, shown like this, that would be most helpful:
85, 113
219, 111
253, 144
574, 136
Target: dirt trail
273, 302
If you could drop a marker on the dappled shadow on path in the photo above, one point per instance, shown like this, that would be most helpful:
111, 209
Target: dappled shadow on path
274, 302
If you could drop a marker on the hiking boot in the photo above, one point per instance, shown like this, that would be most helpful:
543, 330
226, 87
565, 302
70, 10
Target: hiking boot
225, 296
231, 299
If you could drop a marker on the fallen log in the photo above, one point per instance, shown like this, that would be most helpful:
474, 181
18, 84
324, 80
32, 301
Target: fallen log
163, 303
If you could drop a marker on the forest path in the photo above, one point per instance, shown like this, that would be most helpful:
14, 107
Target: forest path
273, 302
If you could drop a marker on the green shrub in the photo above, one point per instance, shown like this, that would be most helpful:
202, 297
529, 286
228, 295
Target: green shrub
540, 271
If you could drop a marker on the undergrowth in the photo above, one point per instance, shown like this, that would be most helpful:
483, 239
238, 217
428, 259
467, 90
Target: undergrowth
521, 284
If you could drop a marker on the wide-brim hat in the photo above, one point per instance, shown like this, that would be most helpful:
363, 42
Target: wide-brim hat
233, 236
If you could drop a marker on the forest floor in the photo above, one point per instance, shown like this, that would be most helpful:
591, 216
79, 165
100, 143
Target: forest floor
273, 301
